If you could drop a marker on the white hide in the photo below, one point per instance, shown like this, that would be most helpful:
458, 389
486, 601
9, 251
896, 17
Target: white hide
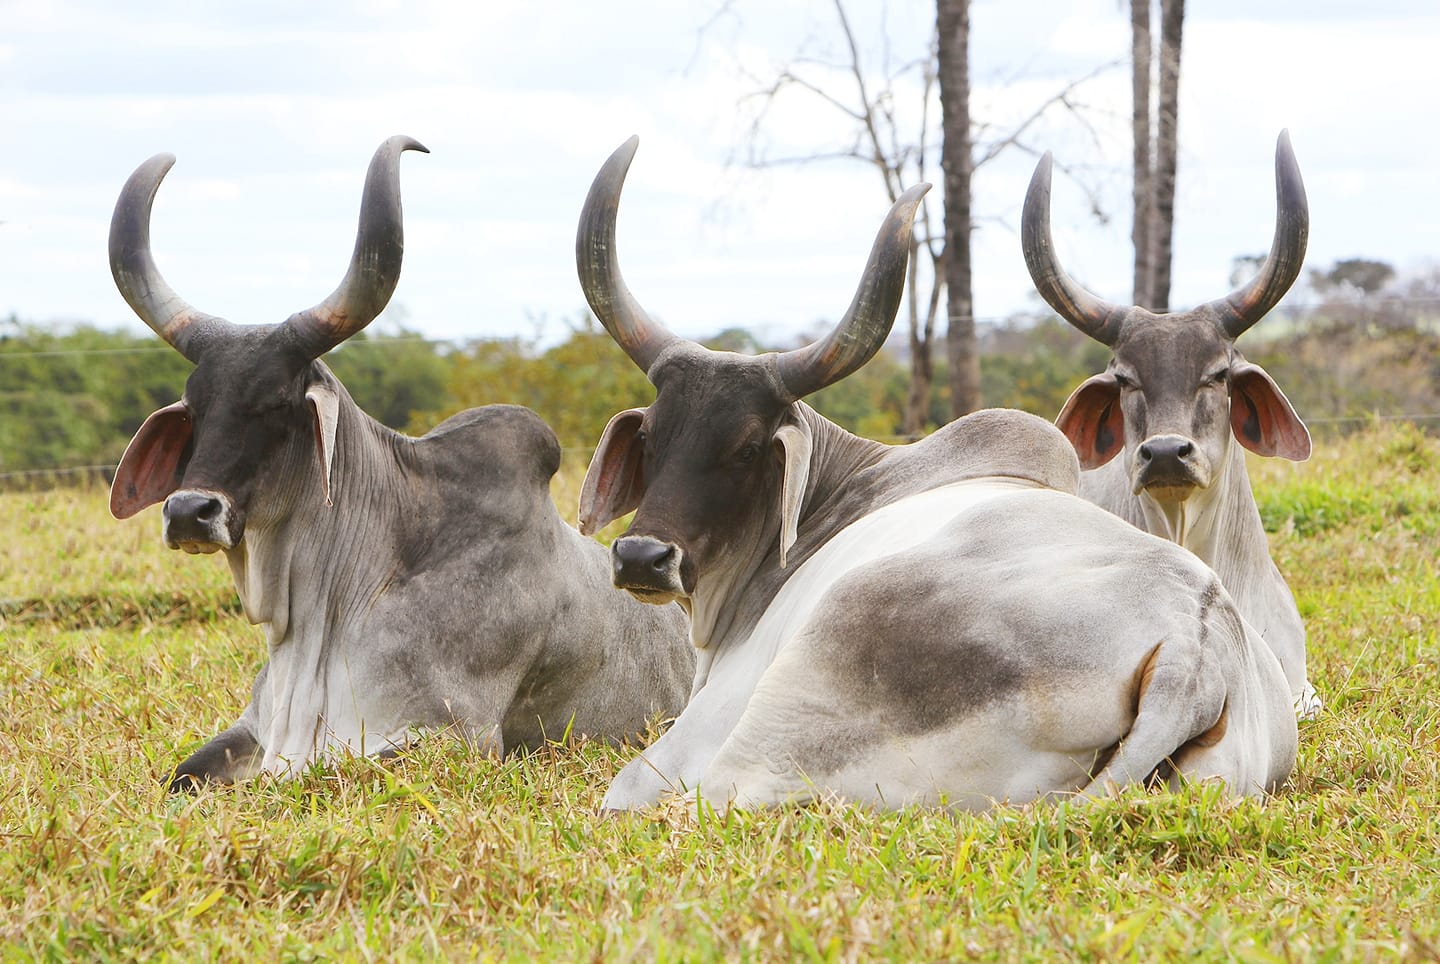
727, 675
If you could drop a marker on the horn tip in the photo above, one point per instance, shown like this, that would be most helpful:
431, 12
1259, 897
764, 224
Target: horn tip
404, 142
625, 153
1040, 180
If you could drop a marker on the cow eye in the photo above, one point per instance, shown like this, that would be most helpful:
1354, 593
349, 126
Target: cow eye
641, 438
748, 453
1122, 381
1219, 378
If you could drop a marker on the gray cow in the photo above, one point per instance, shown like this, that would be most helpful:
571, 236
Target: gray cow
1157, 430
404, 584
937, 622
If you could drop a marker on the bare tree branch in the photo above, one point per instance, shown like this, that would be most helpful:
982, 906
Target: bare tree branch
1062, 97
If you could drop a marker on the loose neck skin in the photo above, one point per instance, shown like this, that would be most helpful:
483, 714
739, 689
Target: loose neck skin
1219, 523
726, 604
302, 562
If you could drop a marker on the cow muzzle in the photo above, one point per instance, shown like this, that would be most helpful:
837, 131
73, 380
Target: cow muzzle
199, 521
1169, 468
648, 568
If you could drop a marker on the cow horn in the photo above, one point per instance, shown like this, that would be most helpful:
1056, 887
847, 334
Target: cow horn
1245, 306
599, 266
862, 331
374, 267
1096, 318
133, 267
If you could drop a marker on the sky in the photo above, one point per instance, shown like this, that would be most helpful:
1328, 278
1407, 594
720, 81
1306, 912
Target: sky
273, 110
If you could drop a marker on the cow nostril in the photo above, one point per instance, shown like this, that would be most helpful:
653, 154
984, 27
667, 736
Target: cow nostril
1145, 454
642, 554
1184, 449
208, 511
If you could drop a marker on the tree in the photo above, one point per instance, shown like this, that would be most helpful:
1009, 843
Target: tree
902, 155
952, 29
901, 160
1155, 125
1362, 274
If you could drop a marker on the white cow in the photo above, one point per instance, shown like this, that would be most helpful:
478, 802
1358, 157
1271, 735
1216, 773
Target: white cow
1157, 431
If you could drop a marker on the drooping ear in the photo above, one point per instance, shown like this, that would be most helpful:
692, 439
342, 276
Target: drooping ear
325, 407
153, 463
614, 482
1261, 416
1093, 422
794, 442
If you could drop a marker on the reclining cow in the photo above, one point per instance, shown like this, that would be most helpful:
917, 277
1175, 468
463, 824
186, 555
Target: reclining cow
404, 584
1172, 403
937, 622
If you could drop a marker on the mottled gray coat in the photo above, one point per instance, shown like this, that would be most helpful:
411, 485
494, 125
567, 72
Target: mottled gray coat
404, 584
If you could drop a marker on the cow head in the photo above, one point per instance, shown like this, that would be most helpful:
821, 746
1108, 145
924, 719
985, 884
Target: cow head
716, 468
1177, 390
258, 401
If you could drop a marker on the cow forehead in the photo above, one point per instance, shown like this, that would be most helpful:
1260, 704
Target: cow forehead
711, 393
1171, 348
247, 369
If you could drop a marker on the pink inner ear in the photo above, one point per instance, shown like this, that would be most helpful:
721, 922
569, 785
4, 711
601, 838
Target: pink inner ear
1262, 418
613, 485
1093, 422
151, 467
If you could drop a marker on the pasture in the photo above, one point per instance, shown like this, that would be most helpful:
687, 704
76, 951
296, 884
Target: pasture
120, 657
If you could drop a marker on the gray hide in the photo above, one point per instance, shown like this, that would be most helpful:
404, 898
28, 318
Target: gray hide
943, 622
404, 584
1162, 432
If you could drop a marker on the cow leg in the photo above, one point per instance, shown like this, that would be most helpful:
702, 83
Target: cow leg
233, 755
1179, 701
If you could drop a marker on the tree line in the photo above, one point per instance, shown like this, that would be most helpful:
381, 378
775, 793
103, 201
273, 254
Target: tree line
1365, 344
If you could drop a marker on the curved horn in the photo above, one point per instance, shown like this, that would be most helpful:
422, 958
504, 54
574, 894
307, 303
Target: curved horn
599, 266
862, 331
133, 267
1245, 306
374, 267
1096, 318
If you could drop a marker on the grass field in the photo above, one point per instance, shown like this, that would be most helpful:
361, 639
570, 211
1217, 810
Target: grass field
120, 657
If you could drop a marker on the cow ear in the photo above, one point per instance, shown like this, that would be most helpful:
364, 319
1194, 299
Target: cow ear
794, 442
1093, 422
325, 408
153, 463
1261, 416
614, 482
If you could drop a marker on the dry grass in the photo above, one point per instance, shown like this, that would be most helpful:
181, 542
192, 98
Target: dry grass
120, 657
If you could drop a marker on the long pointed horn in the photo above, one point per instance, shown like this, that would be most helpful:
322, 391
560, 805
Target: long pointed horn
598, 264
374, 267
862, 331
1245, 306
1096, 318
133, 267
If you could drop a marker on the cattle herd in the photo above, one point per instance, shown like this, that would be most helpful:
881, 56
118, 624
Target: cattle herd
1005, 611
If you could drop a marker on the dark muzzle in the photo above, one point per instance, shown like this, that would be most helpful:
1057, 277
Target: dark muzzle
647, 567
1167, 462
199, 521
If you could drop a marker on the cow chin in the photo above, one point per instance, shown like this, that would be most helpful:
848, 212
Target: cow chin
655, 597
1171, 488
1170, 493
